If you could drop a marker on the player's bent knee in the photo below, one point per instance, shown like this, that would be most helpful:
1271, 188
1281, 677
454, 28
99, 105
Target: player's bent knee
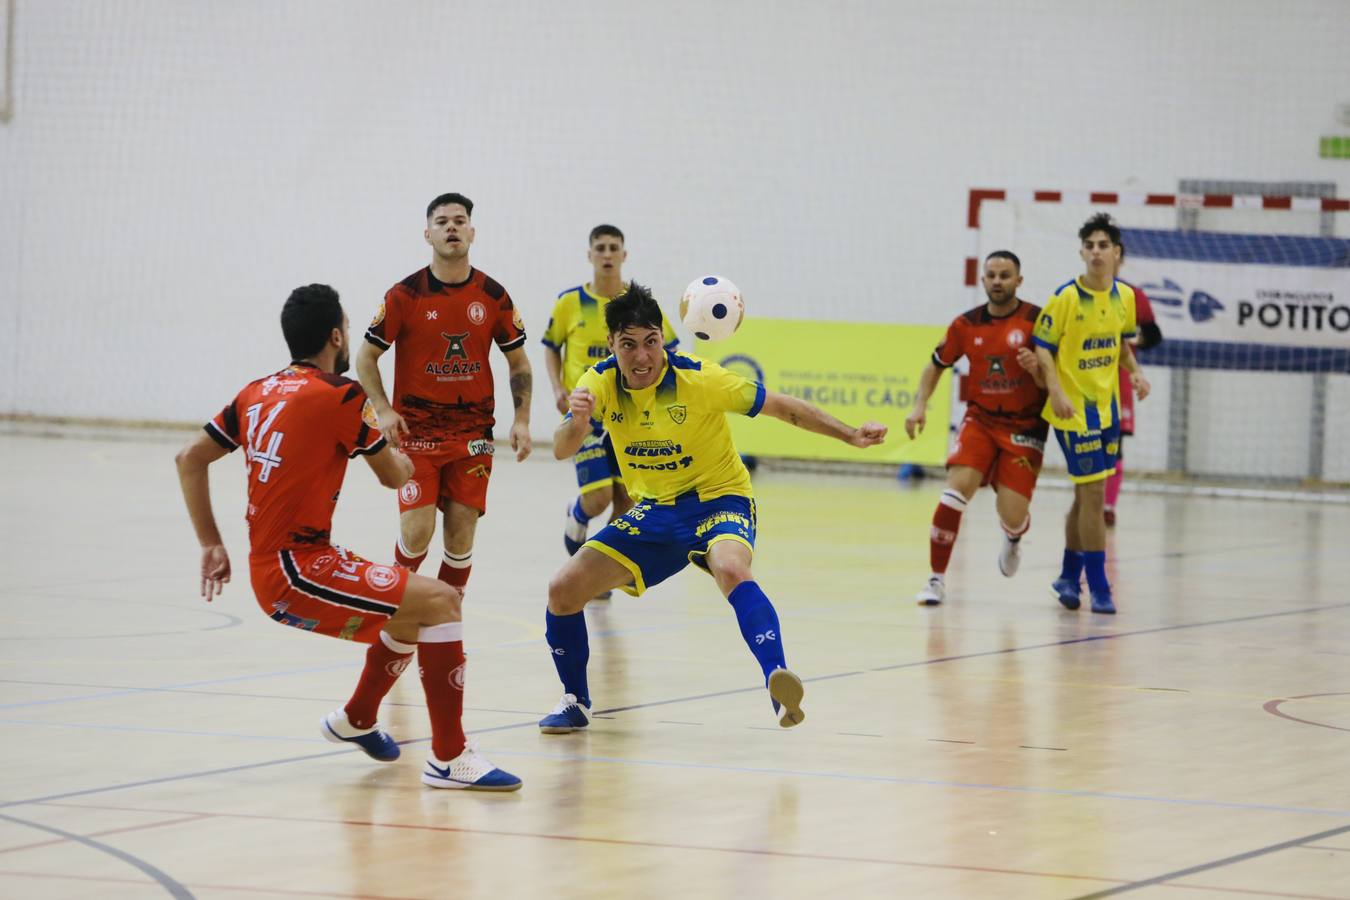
564, 598
593, 503
432, 602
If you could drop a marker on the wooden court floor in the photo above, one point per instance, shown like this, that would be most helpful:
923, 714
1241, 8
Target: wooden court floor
1195, 745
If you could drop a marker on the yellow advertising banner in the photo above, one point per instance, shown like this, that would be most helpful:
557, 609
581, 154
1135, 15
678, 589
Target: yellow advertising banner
854, 370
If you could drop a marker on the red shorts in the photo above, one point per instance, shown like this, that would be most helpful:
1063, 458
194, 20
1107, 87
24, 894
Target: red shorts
440, 476
1007, 458
329, 591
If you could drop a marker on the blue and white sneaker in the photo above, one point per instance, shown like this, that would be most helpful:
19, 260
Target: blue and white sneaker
569, 715
787, 691
468, 772
1067, 593
1101, 603
375, 742
574, 532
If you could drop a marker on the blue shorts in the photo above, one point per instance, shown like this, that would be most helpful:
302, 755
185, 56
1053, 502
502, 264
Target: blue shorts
653, 541
1090, 455
597, 465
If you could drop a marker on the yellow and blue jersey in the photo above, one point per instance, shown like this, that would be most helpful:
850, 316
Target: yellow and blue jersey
673, 438
577, 330
1084, 329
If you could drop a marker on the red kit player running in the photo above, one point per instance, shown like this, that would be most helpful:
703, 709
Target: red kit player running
298, 428
1002, 438
443, 321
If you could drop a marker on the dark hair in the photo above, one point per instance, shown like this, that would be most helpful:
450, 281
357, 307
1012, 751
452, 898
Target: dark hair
445, 199
308, 319
602, 230
1005, 254
1100, 222
634, 308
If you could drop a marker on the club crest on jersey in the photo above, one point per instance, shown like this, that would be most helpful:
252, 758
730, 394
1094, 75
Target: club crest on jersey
379, 315
517, 321
454, 346
381, 578
996, 366
368, 415
477, 313
1016, 339
678, 413
322, 564
410, 493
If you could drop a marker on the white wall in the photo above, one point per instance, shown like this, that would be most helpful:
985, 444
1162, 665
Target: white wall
174, 168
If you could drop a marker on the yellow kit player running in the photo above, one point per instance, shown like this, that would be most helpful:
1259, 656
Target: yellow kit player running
666, 413
1080, 339
577, 339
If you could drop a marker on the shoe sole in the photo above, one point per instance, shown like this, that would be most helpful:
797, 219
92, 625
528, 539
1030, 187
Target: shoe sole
928, 601
787, 689
441, 783
561, 729
1060, 597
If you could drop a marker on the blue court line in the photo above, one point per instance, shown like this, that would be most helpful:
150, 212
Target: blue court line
186, 684
166, 881
1215, 864
146, 729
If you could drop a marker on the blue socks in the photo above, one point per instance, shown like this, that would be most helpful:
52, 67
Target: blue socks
567, 638
1072, 568
759, 626
1094, 561
578, 513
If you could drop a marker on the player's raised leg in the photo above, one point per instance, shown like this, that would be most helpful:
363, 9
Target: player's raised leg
729, 561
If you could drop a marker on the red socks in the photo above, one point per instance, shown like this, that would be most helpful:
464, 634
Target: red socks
440, 658
946, 523
385, 661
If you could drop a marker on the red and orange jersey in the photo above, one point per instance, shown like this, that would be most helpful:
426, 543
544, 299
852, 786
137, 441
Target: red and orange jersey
298, 428
997, 390
442, 370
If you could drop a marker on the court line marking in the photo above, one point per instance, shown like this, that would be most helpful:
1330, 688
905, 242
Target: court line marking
1215, 864
234, 888
195, 817
1273, 707
165, 880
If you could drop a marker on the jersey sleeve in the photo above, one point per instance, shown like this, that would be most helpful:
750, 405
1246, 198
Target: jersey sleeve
383, 330
510, 330
224, 428
1131, 326
728, 392
668, 334
1050, 324
1143, 309
555, 336
357, 426
600, 387
951, 348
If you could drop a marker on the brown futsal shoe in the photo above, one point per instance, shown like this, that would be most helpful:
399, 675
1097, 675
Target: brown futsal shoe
786, 690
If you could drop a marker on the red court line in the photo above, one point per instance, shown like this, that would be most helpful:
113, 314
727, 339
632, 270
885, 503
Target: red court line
186, 818
1273, 707
207, 887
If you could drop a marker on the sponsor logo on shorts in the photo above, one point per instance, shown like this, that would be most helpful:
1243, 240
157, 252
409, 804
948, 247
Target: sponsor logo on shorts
482, 447
410, 492
479, 471
381, 578
477, 313
711, 522
1026, 440
396, 667
457, 677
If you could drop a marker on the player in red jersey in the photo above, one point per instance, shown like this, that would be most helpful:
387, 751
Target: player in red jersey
1150, 335
444, 320
299, 427
1002, 438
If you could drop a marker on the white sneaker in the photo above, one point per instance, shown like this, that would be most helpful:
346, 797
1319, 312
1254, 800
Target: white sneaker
933, 593
1010, 557
469, 772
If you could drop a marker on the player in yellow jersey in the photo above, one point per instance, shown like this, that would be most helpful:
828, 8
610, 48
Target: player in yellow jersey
666, 413
577, 339
1081, 338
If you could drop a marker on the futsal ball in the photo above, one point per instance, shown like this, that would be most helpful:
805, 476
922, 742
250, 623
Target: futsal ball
711, 308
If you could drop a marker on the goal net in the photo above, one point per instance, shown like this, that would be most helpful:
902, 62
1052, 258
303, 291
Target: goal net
1251, 383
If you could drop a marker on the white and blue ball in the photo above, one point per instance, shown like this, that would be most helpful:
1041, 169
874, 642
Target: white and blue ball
711, 308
